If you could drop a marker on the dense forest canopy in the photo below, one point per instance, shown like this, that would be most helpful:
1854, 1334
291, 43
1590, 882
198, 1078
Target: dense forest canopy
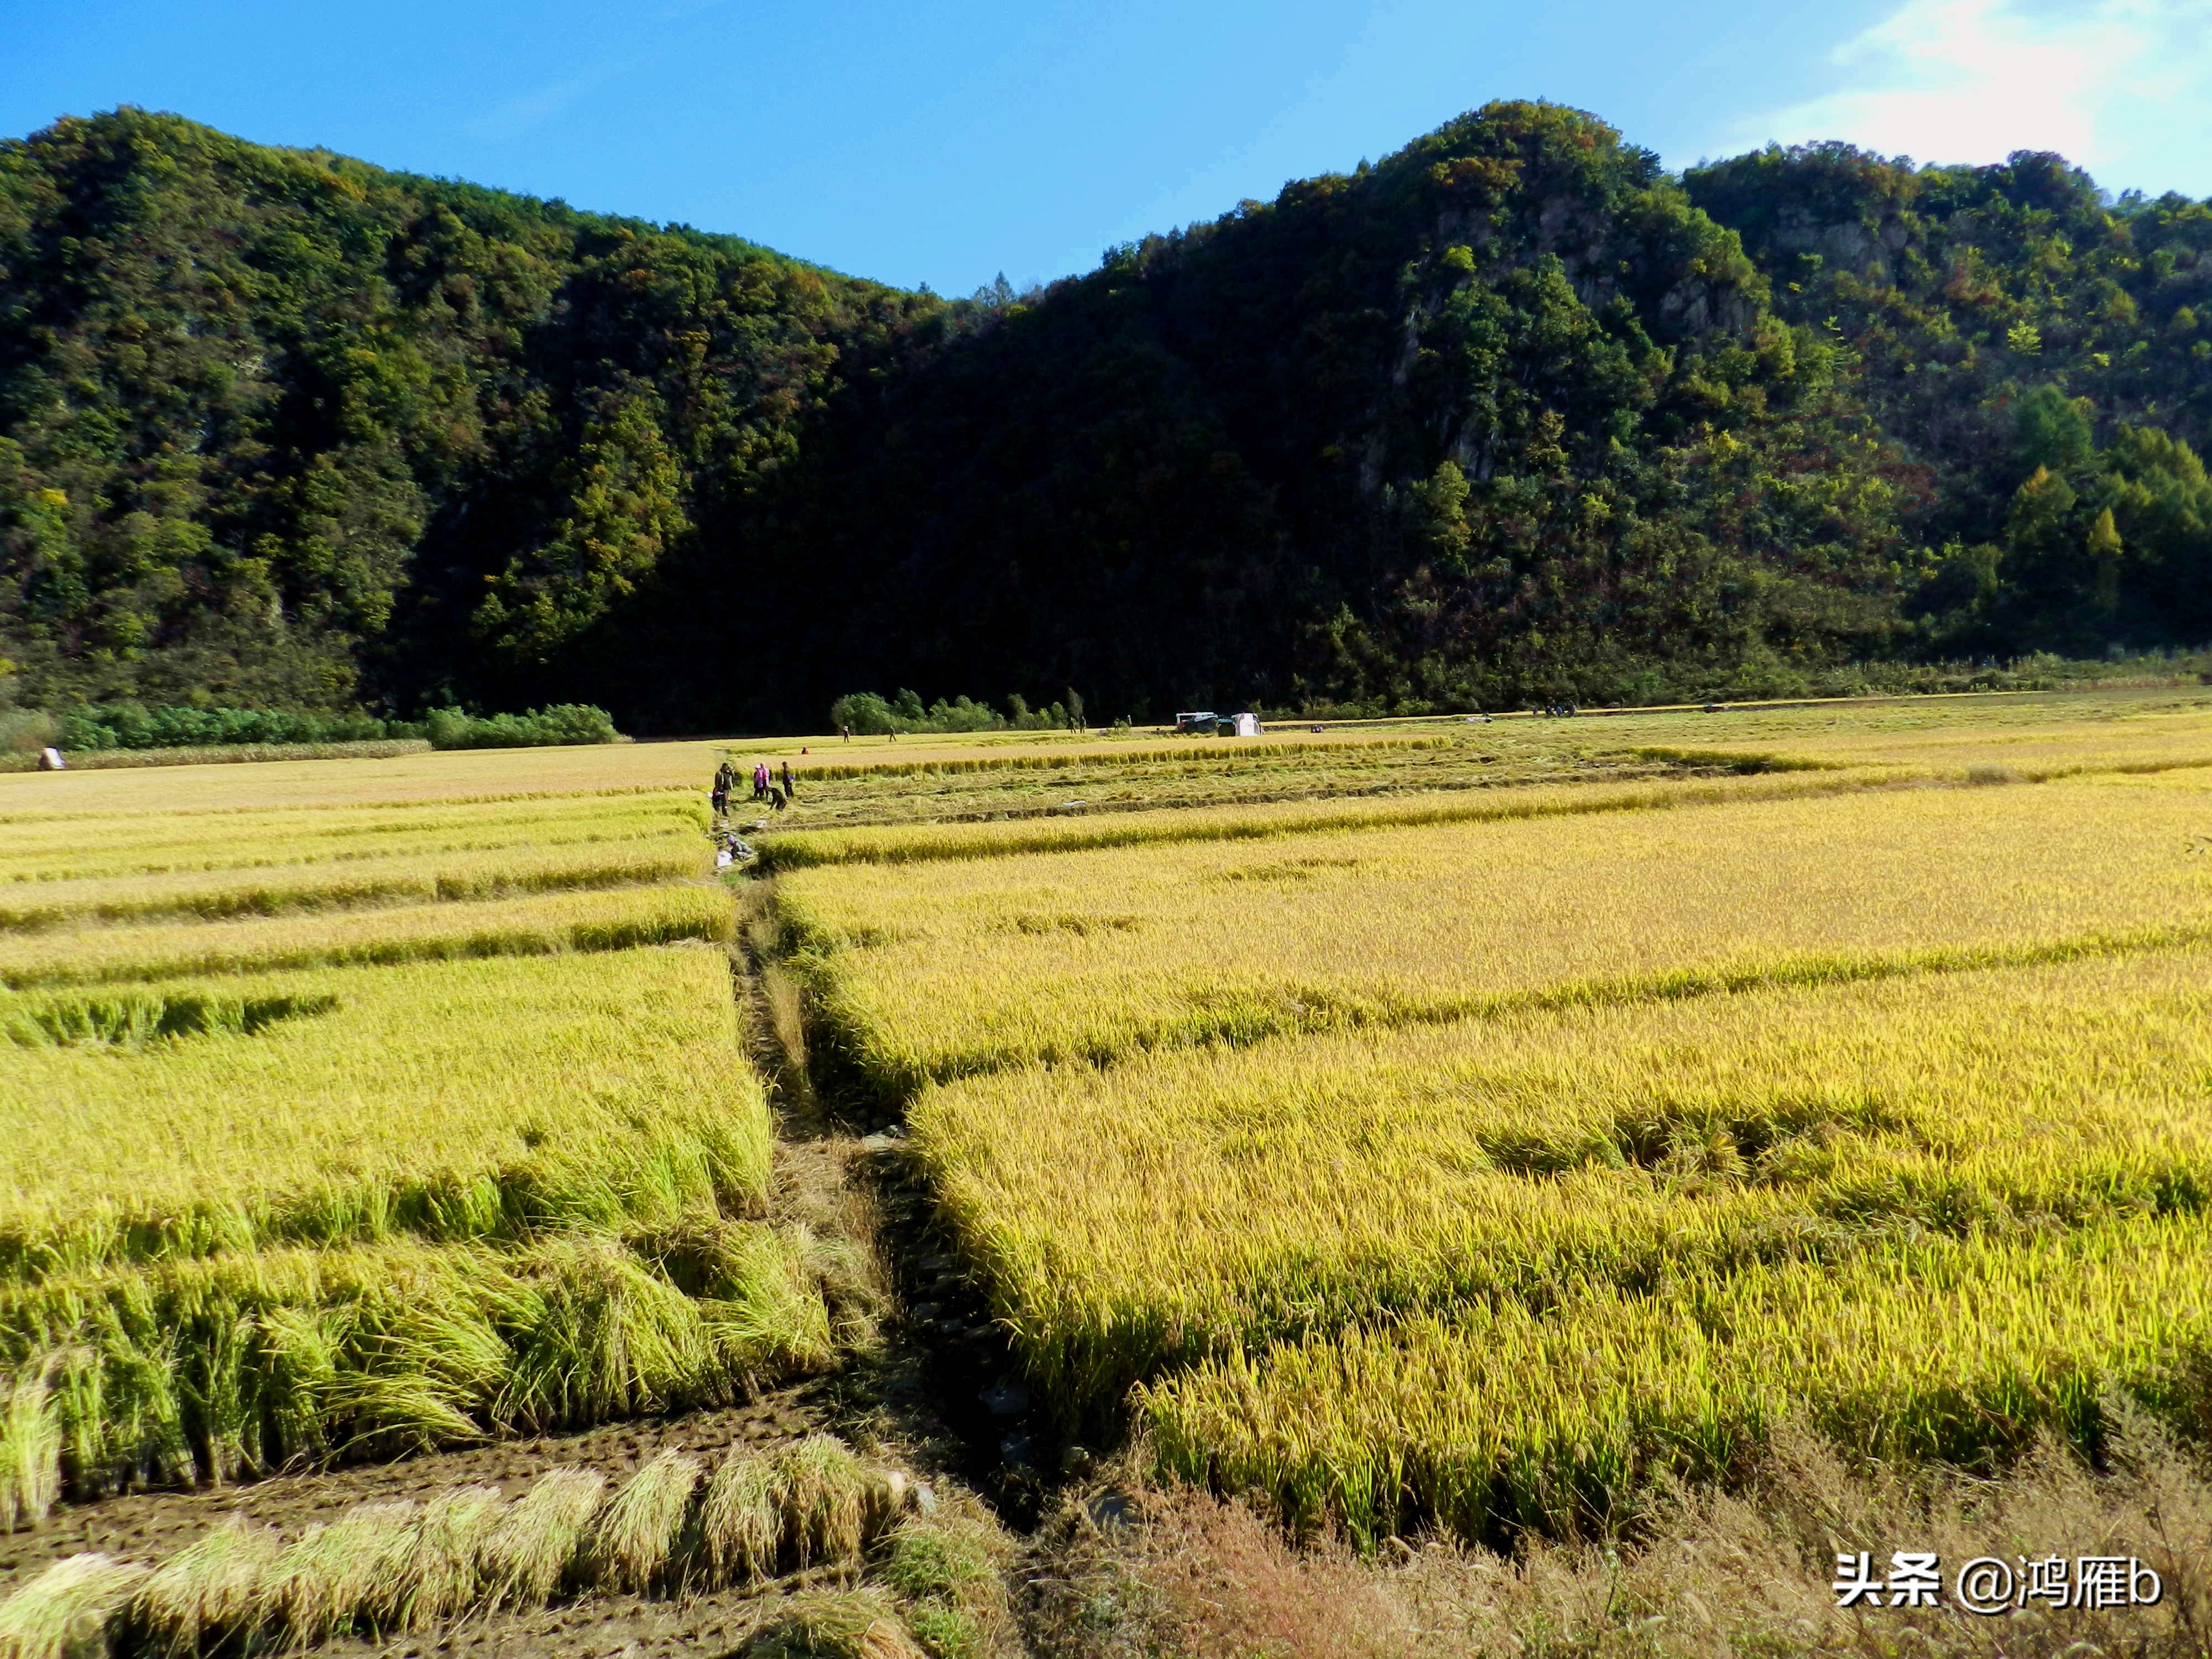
1513, 413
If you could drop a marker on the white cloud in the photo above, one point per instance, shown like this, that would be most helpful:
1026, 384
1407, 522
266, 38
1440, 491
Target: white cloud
518, 117
2121, 87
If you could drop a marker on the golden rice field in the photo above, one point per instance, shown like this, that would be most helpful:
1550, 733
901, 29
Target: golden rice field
509, 1094
347, 1107
1191, 1202
800, 848
2038, 737
1051, 783
925, 972
1565, 1416
543, 924
1488, 1159
1472, 1125
74, 850
450, 777
1026, 784
395, 878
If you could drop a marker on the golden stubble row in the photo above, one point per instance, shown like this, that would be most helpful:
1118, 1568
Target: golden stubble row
930, 972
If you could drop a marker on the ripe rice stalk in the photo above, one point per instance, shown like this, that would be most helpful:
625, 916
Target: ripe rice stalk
121, 1410
212, 1588
448, 1574
856, 1624
387, 1566
741, 1520
614, 1339
219, 1387
826, 1493
345, 1574
310, 1355
30, 1448
637, 1541
541, 1537
70, 1610
775, 1323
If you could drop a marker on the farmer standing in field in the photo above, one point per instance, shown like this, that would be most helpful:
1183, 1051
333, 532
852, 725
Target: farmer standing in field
725, 779
790, 790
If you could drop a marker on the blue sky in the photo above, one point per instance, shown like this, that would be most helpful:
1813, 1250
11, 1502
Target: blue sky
941, 144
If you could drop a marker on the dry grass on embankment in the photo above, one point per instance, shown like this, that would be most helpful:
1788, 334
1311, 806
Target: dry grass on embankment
1713, 1575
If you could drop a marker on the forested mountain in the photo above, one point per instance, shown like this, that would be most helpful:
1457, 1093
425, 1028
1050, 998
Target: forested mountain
1512, 413
2043, 352
280, 427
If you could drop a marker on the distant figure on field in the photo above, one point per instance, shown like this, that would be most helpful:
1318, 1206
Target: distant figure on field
760, 780
789, 787
725, 779
50, 760
848, 734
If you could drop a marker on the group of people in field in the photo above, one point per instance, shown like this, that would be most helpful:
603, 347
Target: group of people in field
766, 786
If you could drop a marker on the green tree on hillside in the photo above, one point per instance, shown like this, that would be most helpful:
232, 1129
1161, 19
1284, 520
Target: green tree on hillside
625, 509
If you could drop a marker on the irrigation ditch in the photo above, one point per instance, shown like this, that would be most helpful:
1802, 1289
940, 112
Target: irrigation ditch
942, 1374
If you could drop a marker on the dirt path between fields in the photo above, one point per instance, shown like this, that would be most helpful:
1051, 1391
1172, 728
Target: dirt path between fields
883, 1400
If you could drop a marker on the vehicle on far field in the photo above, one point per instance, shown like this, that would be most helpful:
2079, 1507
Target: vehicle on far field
1208, 723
